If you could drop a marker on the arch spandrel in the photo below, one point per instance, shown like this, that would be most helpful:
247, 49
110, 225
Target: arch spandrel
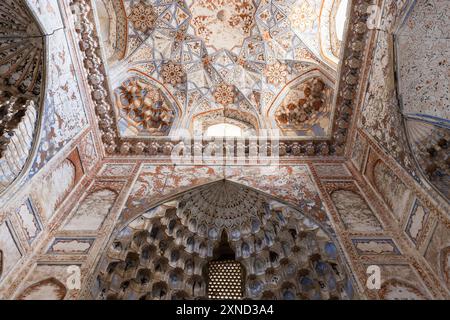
294, 186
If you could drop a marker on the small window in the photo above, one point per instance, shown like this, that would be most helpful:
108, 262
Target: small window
341, 17
225, 280
224, 130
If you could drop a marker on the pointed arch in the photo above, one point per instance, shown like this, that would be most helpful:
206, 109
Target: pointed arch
235, 204
47, 289
146, 107
303, 108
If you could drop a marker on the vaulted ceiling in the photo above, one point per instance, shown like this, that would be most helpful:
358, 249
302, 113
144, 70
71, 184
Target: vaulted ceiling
85, 132
163, 252
253, 64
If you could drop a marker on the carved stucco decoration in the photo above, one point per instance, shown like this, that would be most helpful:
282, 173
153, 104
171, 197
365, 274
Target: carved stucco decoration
429, 142
354, 50
276, 73
18, 118
306, 108
21, 49
21, 81
162, 253
225, 94
173, 73
146, 106
208, 211
142, 16
257, 48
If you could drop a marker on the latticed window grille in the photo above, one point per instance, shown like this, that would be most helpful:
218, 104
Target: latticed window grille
225, 280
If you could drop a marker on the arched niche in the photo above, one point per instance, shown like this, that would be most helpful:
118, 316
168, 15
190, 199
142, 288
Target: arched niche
333, 19
303, 108
47, 289
145, 107
286, 247
21, 49
92, 210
